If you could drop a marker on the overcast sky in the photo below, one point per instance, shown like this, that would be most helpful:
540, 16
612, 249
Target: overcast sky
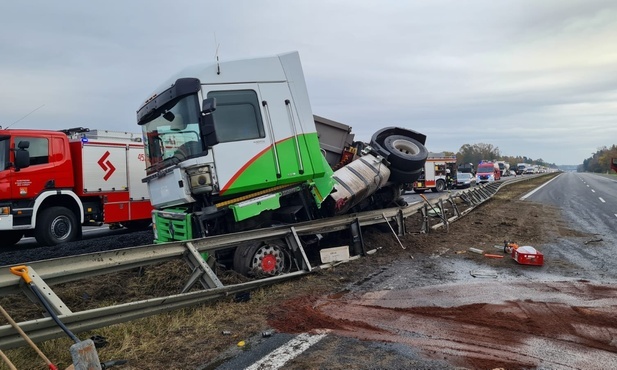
533, 78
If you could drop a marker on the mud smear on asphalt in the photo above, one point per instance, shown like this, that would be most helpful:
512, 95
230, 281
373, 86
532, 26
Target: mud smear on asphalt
557, 325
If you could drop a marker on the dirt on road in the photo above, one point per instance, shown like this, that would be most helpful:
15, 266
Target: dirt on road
473, 310
423, 297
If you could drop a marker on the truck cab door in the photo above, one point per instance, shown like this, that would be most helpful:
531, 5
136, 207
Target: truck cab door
242, 157
30, 181
258, 137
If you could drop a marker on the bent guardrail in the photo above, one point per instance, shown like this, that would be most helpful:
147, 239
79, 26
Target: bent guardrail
68, 269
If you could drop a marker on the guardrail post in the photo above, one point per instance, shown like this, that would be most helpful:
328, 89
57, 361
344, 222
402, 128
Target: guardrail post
454, 207
357, 241
400, 220
294, 242
444, 217
201, 270
426, 226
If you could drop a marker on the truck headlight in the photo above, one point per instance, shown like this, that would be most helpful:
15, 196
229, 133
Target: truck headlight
200, 179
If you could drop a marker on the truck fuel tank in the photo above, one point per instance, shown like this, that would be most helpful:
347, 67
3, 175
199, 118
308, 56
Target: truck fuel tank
357, 181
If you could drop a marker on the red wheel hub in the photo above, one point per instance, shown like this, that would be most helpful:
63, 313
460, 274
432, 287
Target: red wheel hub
268, 263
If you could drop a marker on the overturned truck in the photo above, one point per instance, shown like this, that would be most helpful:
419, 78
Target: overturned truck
234, 146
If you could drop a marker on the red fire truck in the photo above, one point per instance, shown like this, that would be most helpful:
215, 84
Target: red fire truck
488, 172
53, 182
437, 169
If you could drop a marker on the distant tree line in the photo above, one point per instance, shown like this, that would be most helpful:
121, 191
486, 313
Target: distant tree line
599, 161
474, 153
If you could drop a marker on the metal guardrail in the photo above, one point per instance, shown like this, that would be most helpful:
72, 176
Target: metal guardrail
67, 269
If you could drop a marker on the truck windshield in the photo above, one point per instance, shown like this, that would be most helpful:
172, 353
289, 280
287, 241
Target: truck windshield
174, 135
486, 169
4, 152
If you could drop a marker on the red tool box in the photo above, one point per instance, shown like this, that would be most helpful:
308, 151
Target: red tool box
528, 256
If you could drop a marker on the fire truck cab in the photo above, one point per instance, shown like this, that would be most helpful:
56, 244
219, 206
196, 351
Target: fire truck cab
488, 172
53, 182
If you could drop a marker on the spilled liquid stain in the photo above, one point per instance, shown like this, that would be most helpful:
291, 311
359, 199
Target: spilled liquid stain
557, 325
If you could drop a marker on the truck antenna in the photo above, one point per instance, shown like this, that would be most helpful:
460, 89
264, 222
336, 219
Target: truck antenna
24, 116
216, 54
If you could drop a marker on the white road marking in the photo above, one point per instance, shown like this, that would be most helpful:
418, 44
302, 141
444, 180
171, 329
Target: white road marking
587, 185
615, 214
602, 200
277, 358
538, 188
593, 191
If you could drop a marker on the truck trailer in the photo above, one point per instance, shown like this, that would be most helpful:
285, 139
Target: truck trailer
234, 146
54, 182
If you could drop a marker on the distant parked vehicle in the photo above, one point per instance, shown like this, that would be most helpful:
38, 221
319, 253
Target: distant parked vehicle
529, 170
465, 180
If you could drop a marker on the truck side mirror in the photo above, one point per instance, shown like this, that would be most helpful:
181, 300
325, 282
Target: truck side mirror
206, 122
208, 105
22, 156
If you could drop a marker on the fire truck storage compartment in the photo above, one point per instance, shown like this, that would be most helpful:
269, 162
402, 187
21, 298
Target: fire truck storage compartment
112, 167
104, 168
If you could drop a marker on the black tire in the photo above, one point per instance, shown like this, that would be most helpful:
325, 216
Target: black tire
137, 225
440, 186
406, 153
10, 237
404, 177
261, 259
56, 225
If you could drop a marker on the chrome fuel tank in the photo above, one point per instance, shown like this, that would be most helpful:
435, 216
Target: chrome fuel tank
358, 180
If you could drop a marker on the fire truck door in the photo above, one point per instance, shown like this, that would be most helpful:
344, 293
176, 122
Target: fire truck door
42, 172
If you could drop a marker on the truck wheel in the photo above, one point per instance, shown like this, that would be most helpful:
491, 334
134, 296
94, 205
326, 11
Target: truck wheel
404, 177
56, 225
439, 186
405, 153
11, 237
261, 259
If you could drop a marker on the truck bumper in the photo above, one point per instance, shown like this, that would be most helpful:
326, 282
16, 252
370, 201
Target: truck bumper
6, 222
172, 225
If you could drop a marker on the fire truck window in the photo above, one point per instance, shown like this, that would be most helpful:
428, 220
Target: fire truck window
237, 115
39, 149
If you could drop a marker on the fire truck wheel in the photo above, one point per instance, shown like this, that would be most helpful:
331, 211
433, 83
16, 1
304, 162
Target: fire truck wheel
439, 186
11, 237
262, 259
56, 225
405, 153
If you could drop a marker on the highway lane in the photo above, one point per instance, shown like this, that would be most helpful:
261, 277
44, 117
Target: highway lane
589, 200
589, 203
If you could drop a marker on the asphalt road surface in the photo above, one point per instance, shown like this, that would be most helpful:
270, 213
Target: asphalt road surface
589, 203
